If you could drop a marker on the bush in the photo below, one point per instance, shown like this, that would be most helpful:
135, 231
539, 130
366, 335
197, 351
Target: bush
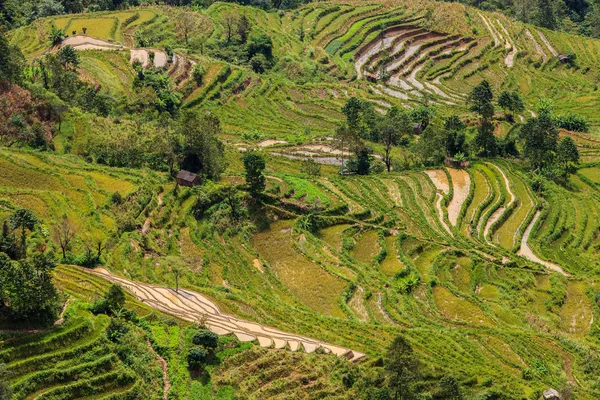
198, 74
116, 198
205, 338
196, 357
116, 329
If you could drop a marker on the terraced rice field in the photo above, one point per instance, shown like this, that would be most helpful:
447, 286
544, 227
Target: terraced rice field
66, 361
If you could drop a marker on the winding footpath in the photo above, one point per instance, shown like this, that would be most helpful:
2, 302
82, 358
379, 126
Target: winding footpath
527, 252
192, 306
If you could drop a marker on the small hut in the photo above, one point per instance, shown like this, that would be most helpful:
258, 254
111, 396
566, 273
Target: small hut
418, 128
450, 162
187, 178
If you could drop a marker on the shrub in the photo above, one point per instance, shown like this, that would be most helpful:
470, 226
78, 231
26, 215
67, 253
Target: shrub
348, 380
196, 357
205, 338
116, 198
198, 74
116, 329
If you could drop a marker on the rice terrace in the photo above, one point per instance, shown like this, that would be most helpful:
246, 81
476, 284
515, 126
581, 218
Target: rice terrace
299, 199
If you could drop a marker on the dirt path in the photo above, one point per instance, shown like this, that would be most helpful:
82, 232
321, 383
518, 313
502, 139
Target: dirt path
461, 184
165, 371
525, 250
509, 60
192, 306
537, 46
547, 43
492, 31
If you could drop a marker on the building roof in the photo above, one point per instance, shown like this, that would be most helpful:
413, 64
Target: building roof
186, 176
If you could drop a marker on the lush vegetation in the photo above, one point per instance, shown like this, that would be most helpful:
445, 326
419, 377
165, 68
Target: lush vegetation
415, 181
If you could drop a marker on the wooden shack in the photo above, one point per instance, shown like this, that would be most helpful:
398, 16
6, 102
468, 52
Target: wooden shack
187, 178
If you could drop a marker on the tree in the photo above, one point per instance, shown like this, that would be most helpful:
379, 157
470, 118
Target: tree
68, 56
176, 271
230, 20
63, 233
30, 291
546, 16
362, 164
115, 298
344, 139
196, 357
397, 124
455, 136
198, 73
47, 8
254, 165
352, 110
540, 137
5, 389
243, 28
485, 140
205, 338
8, 243
480, 100
511, 103
26, 220
566, 152
11, 63
185, 25
202, 151
56, 36
402, 369
259, 63
449, 389
260, 44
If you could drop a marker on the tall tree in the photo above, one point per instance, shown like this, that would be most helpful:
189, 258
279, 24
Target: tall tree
402, 368
25, 220
11, 63
455, 136
485, 140
480, 100
397, 123
546, 15
31, 293
230, 20
254, 165
63, 233
540, 137
185, 25
5, 389
243, 28
567, 152
68, 57
202, 149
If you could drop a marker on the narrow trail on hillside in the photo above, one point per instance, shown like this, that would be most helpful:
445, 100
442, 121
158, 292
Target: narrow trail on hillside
527, 252
492, 31
537, 46
509, 60
496, 215
547, 43
192, 306
165, 371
